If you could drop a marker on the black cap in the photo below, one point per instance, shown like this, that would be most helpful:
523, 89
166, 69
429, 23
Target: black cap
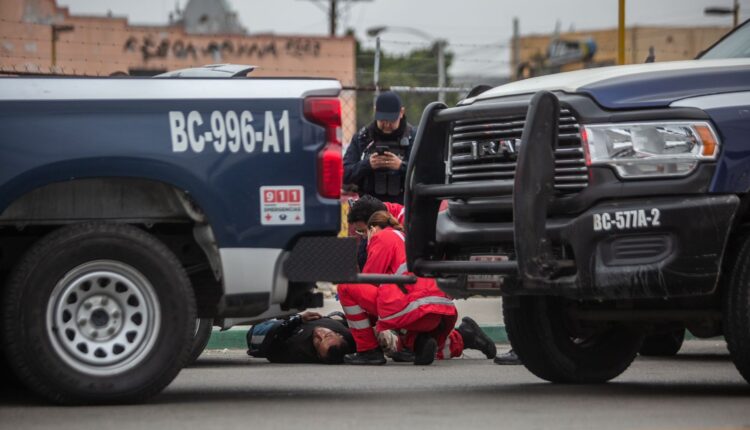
387, 106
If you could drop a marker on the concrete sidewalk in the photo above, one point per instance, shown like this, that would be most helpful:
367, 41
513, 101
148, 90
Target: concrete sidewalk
487, 312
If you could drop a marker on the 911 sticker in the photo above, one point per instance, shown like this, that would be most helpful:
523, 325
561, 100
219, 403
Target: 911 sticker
627, 220
282, 205
229, 131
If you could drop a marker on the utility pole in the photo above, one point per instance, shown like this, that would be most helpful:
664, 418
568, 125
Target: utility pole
333, 13
516, 46
441, 69
621, 33
332, 16
376, 72
735, 12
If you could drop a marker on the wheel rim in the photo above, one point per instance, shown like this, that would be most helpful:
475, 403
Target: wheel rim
103, 317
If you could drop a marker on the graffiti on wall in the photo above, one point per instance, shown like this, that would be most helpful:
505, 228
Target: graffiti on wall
154, 48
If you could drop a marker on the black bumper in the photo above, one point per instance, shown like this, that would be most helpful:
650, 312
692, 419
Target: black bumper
681, 256
658, 247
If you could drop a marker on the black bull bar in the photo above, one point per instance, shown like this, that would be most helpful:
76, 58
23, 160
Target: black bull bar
327, 258
532, 190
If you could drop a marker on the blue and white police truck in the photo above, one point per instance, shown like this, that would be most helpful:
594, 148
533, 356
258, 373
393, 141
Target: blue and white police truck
604, 205
129, 207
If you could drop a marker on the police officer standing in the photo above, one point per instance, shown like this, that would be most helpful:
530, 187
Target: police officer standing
378, 154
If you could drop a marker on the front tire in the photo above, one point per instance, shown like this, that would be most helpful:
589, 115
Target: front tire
539, 334
98, 313
736, 322
203, 329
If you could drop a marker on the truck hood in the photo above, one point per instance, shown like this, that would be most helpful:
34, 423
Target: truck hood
639, 85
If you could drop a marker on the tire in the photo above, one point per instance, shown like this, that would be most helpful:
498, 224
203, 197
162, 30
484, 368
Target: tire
538, 333
736, 321
7, 375
98, 313
663, 345
203, 329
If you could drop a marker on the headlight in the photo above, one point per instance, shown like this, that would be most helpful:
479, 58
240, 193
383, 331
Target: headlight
643, 150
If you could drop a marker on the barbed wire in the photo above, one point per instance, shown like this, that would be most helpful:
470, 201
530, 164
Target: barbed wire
685, 53
162, 65
137, 49
84, 58
123, 46
30, 69
478, 61
78, 23
645, 48
450, 44
657, 50
84, 62
475, 47
383, 73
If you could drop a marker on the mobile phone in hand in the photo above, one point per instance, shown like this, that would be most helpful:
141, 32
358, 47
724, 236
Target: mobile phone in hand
380, 149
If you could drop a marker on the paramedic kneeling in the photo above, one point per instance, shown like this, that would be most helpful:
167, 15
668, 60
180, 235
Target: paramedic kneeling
421, 309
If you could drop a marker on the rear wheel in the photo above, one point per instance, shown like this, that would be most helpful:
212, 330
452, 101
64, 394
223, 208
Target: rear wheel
98, 313
7, 375
551, 349
663, 345
203, 329
737, 309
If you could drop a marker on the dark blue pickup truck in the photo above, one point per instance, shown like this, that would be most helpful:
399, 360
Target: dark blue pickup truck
605, 206
131, 206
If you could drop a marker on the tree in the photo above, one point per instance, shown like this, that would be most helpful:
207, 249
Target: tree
418, 68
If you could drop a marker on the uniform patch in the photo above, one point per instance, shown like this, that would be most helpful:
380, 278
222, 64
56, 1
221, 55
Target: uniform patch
282, 205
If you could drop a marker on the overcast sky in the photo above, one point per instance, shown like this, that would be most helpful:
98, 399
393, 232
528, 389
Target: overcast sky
478, 31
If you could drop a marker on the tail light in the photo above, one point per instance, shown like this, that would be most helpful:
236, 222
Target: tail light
326, 111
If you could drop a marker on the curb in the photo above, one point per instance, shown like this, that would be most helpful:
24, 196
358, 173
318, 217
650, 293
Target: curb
235, 338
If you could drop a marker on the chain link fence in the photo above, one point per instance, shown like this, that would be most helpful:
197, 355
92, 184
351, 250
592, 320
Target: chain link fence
357, 103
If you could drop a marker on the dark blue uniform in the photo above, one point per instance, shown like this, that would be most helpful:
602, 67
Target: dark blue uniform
291, 340
386, 185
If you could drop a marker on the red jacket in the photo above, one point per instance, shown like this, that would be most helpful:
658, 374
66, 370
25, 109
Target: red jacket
398, 211
386, 252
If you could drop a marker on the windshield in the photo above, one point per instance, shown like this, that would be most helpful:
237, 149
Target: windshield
736, 45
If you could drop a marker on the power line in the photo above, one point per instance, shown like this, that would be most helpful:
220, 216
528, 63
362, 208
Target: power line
333, 12
458, 45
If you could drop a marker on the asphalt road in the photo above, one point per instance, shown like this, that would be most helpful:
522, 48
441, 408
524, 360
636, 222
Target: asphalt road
698, 389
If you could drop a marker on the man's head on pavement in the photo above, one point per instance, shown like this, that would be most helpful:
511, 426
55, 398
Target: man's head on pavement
389, 111
361, 211
330, 346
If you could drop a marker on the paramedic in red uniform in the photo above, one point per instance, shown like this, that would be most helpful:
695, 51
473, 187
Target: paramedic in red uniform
360, 211
469, 332
423, 310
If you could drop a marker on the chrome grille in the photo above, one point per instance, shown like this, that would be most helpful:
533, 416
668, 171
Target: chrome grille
486, 149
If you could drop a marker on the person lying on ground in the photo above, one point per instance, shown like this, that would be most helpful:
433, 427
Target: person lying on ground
306, 338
